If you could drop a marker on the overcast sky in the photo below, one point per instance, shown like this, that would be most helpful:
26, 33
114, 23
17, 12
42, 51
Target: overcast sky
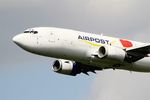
28, 77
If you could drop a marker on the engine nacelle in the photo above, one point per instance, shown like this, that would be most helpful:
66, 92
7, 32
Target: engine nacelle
113, 53
65, 67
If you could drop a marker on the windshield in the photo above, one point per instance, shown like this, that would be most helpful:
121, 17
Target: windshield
34, 32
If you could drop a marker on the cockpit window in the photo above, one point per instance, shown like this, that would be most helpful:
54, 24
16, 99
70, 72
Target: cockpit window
26, 31
34, 32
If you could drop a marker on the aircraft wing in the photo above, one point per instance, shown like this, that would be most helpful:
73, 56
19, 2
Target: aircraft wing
143, 49
139, 52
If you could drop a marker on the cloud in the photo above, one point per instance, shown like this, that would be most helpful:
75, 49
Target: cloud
120, 15
120, 85
108, 16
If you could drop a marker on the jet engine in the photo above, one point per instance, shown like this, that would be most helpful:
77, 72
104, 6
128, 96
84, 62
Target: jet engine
113, 53
66, 67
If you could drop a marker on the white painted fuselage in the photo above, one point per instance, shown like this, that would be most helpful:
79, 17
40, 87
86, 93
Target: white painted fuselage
81, 47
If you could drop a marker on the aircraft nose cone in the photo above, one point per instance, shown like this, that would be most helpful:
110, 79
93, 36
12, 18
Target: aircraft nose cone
16, 39
25, 41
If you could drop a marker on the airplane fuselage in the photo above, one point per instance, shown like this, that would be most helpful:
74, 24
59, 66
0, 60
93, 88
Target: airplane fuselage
80, 47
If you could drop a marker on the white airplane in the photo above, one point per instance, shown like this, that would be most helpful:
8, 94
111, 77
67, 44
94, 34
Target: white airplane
81, 52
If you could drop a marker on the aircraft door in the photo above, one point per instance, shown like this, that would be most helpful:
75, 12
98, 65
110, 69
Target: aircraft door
52, 37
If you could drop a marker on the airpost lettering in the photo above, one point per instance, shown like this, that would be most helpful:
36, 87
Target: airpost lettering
97, 40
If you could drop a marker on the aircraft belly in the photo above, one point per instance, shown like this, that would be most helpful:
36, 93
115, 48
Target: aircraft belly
142, 65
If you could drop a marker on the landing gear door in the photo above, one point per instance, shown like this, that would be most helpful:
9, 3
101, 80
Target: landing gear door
51, 37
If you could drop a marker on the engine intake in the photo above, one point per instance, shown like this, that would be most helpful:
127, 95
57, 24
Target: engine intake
56, 66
